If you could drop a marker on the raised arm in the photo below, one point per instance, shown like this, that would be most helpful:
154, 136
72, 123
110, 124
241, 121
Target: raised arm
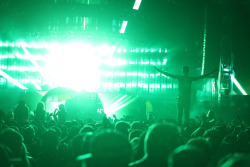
204, 76
166, 73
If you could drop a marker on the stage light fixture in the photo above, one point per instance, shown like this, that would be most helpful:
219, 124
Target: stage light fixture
137, 4
164, 61
123, 28
12, 44
237, 84
6, 44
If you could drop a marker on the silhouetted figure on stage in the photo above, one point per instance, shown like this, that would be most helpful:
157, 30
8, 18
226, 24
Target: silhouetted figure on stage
184, 95
40, 113
61, 114
21, 112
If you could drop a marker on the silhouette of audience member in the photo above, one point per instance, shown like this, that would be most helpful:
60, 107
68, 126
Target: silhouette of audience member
134, 133
235, 160
187, 156
5, 156
160, 140
137, 125
2, 116
14, 141
203, 145
81, 144
21, 112
184, 95
28, 134
39, 113
108, 149
49, 156
122, 127
243, 141
61, 113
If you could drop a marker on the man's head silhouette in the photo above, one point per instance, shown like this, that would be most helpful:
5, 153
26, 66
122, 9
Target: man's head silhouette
185, 70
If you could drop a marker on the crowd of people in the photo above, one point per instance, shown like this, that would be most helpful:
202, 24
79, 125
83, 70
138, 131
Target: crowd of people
50, 140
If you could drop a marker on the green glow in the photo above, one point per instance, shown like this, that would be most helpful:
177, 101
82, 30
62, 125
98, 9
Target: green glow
113, 104
137, 4
124, 24
238, 85
12, 80
153, 86
76, 65
84, 24
36, 65
18, 68
140, 85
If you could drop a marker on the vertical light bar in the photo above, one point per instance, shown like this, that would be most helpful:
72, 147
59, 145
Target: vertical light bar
204, 42
238, 85
124, 24
137, 4
12, 80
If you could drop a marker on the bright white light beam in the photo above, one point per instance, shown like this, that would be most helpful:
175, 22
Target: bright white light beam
137, 4
33, 61
12, 80
124, 24
238, 85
